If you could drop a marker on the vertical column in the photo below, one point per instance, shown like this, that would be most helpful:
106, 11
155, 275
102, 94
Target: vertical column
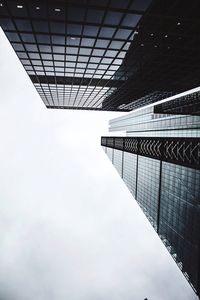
136, 179
159, 193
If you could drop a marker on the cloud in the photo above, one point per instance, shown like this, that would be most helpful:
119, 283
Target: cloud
69, 228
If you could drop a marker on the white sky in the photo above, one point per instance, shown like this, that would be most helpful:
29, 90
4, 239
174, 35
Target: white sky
69, 228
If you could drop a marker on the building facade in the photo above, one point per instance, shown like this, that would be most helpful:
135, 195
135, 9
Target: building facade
105, 55
159, 161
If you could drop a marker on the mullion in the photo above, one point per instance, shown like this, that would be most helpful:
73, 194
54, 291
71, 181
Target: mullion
80, 46
85, 55
52, 52
65, 58
99, 30
39, 53
117, 28
74, 35
18, 32
118, 52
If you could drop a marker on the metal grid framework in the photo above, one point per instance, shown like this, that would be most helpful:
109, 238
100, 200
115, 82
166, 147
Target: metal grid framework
169, 196
189, 104
105, 55
72, 49
180, 151
164, 56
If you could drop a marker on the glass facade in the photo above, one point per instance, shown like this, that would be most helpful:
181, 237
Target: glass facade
157, 167
71, 50
118, 161
148, 187
179, 224
105, 55
129, 171
169, 195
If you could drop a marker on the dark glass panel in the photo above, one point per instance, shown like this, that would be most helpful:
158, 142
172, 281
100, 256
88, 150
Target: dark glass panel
119, 3
73, 41
28, 37
23, 25
7, 24
18, 47
107, 32
59, 57
44, 48
57, 39
102, 3
131, 20
22, 55
31, 47
57, 27
83, 58
113, 18
58, 49
98, 52
106, 60
71, 50
47, 63
46, 56
123, 33
111, 53
59, 63
13, 37
90, 30
95, 59
73, 29
35, 55
41, 26
102, 43
43, 38
36, 62
140, 4
87, 42
85, 51
94, 16
74, 14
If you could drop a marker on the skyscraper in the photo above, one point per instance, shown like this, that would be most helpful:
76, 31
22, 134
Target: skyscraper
105, 55
159, 160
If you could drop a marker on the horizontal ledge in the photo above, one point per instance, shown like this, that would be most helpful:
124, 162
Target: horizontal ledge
84, 108
75, 81
180, 151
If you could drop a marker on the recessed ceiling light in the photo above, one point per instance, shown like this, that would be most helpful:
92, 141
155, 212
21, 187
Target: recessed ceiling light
142, 45
151, 34
37, 7
168, 47
156, 46
19, 6
1, 4
57, 9
166, 35
178, 23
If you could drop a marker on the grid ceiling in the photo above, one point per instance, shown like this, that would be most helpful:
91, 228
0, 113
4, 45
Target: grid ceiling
105, 55
164, 57
72, 49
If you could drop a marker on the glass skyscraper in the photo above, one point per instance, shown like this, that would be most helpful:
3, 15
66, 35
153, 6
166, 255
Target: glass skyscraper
112, 55
159, 161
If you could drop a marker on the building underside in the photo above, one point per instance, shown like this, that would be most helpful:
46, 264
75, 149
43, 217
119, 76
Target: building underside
105, 55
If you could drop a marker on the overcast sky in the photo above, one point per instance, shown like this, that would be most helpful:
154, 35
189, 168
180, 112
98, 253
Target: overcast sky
69, 228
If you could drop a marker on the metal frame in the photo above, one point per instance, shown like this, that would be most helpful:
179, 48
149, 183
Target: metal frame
180, 151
